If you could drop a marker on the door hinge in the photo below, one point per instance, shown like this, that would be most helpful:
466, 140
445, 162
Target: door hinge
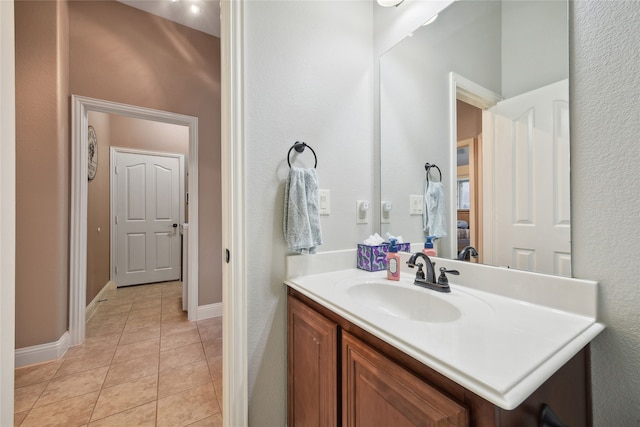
116, 219
116, 269
227, 255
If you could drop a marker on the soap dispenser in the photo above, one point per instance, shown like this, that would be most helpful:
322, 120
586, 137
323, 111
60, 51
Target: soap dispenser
393, 260
429, 250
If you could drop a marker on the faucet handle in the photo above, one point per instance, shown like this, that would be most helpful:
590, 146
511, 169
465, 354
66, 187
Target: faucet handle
443, 280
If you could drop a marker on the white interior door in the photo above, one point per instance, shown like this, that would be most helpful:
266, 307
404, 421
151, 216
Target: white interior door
148, 189
532, 203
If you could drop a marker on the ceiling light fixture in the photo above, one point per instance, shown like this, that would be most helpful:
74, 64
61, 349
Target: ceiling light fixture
389, 3
195, 9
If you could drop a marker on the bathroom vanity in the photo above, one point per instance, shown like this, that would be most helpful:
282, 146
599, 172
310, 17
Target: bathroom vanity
358, 356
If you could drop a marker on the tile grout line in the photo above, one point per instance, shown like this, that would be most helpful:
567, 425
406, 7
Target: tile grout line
164, 295
93, 410
41, 393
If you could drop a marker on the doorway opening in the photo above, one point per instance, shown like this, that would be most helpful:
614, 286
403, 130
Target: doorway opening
469, 178
471, 163
81, 106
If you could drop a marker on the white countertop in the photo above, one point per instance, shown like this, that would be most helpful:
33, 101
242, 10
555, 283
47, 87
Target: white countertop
500, 348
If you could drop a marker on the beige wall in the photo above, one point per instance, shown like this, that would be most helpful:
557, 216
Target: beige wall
114, 130
42, 170
122, 54
469, 123
105, 50
143, 134
98, 210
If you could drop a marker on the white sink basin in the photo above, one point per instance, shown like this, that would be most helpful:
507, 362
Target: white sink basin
413, 304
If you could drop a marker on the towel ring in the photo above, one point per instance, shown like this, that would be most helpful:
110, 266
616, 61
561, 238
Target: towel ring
428, 166
300, 146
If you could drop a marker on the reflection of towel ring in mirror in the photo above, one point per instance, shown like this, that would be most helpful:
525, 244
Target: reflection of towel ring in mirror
300, 146
428, 166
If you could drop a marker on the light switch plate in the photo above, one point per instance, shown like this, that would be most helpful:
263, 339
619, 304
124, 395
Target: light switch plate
416, 204
325, 202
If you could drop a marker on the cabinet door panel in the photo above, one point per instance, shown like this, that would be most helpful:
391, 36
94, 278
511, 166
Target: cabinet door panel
378, 392
312, 368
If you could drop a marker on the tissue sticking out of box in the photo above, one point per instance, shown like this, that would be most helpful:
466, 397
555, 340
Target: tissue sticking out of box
373, 240
376, 239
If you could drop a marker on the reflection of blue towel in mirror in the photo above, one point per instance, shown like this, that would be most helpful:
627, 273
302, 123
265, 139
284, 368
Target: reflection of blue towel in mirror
301, 220
433, 213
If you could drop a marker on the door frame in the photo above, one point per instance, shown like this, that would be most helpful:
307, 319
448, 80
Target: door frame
7, 210
235, 378
474, 94
113, 199
80, 107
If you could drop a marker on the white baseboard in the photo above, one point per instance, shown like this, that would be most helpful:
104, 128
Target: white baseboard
43, 352
93, 305
210, 310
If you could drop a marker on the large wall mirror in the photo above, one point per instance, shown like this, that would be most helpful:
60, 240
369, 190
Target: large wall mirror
482, 92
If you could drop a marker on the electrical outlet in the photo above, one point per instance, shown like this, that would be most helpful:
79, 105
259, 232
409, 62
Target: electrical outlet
362, 211
385, 212
325, 202
416, 205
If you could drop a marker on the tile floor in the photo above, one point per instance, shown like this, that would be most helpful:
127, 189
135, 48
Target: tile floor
142, 364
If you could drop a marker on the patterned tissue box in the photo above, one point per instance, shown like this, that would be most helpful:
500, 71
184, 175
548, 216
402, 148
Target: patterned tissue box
374, 258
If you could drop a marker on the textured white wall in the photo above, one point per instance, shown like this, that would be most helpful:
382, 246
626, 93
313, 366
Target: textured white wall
605, 159
309, 77
306, 71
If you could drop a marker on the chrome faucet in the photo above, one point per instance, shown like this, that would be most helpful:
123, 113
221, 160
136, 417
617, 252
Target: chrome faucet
428, 279
467, 253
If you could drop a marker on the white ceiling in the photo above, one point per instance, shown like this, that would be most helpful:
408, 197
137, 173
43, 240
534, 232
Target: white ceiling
207, 21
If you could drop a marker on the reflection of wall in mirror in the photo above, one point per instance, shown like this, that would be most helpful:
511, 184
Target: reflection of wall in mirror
485, 45
414, 99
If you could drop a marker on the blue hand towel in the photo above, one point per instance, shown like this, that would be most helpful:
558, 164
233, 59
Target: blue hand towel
301, 211
433, 214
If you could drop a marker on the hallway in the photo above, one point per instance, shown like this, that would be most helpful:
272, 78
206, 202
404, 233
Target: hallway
142, 364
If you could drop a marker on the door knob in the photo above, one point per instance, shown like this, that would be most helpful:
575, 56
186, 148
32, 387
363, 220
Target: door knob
175, 225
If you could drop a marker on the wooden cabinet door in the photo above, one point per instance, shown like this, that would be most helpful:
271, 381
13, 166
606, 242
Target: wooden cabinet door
312, 368
378, 392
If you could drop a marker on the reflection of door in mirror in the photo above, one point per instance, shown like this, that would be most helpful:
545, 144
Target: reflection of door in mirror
532, 195
469, 177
